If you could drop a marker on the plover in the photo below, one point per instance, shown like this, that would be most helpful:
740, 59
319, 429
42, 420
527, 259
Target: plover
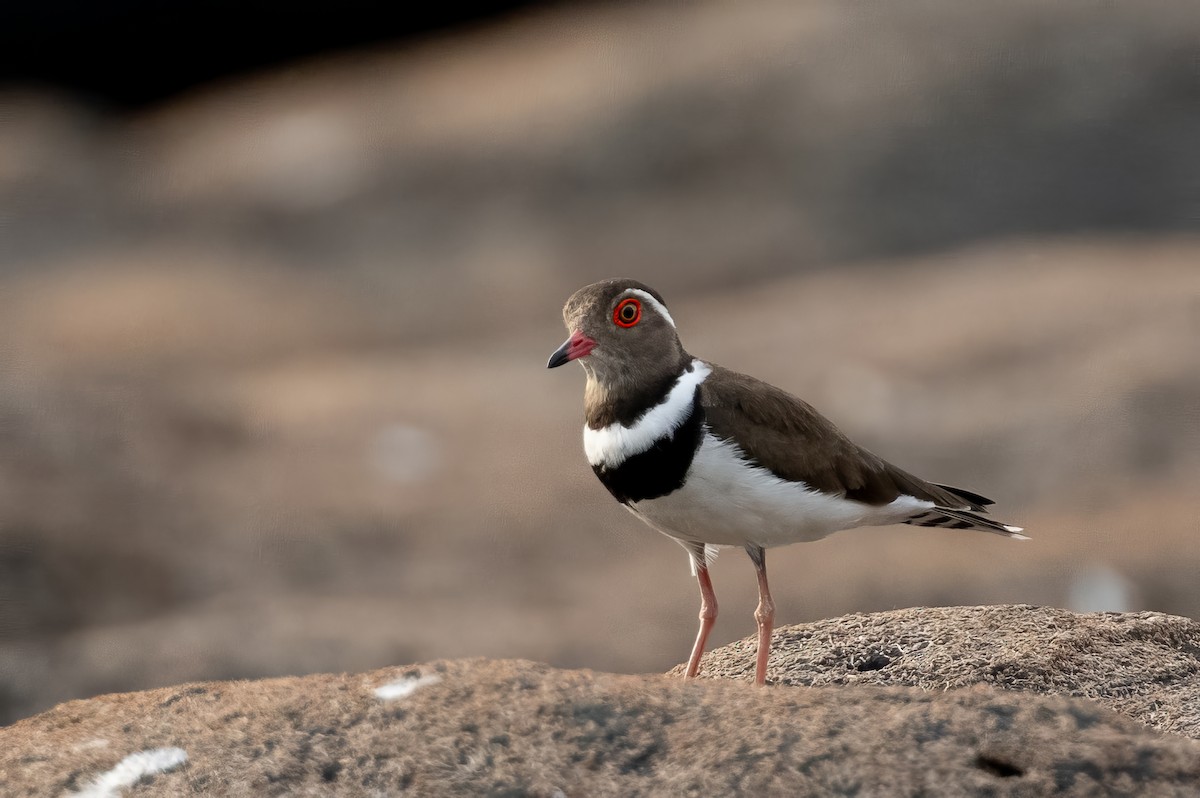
713, 458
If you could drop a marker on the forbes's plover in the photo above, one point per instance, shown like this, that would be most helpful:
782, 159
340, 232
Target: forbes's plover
711, 458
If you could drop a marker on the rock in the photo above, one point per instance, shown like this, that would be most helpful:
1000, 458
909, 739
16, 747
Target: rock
1145, 665
511, 727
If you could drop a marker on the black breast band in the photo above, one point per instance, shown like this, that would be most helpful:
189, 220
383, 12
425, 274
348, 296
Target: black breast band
662, 468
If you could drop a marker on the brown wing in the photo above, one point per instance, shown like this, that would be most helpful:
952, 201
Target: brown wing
792, 440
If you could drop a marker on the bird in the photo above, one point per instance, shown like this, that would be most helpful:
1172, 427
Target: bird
713, 458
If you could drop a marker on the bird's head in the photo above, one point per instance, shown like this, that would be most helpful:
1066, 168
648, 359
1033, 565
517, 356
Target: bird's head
621, 333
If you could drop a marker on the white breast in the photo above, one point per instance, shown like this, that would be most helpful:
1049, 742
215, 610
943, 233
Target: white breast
612, 445
729, 502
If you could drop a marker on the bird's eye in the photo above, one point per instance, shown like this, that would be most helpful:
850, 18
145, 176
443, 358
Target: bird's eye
628, 313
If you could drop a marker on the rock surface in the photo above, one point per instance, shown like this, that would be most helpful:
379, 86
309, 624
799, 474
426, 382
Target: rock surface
1145, 665
507, 727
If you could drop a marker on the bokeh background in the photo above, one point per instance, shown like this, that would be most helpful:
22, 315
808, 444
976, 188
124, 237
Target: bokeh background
272, 335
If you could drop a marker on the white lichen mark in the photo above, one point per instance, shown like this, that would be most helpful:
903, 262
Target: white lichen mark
133, 767
405, 687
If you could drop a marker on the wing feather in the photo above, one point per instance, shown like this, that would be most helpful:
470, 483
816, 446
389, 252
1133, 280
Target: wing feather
788, 437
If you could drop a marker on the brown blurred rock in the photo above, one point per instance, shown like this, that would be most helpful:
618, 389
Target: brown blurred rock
1145, 665
174, 519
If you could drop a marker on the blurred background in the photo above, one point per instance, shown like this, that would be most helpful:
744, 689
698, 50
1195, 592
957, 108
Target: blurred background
275, 310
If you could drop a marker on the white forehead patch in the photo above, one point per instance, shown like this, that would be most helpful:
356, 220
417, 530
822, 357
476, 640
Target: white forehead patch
652, 302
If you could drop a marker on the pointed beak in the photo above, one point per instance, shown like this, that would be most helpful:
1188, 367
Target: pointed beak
578, 345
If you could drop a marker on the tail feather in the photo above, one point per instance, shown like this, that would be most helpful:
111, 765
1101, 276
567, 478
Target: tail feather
949, 518
978, 502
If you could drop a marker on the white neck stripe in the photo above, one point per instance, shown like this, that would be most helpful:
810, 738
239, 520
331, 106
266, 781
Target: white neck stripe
652, 302
612, 445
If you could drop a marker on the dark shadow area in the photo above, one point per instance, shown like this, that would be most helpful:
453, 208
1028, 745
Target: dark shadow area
132, 53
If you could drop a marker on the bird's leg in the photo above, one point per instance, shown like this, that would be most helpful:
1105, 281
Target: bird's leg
708, 616
764, 614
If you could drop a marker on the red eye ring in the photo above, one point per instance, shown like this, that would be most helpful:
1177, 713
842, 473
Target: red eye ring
627, 313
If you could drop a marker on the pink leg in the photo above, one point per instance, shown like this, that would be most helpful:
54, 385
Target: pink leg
764, 614
708, 616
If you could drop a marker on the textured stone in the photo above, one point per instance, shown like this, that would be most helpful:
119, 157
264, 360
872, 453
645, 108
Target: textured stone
1145, 665
510, 727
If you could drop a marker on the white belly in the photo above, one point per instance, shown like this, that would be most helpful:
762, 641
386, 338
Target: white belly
728, 502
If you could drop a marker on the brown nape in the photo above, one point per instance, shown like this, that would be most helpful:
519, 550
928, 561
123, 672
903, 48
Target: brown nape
792, 440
